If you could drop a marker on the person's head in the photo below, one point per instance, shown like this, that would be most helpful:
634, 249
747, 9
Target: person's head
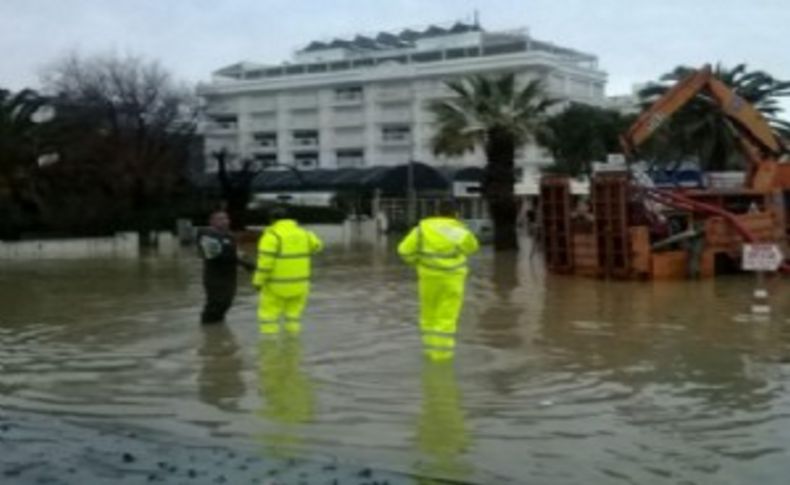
219, 220
278, 213
447, 208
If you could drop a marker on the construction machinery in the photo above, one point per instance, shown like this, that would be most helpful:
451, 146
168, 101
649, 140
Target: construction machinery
759, 144
635, 230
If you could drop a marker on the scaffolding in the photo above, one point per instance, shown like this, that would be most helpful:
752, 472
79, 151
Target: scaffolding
610, 209
555, 207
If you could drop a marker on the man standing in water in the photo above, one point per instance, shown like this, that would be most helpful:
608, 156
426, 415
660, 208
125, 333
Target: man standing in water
439, 247
285, 253
217, 248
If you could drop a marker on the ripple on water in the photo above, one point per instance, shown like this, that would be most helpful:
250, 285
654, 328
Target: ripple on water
557, 379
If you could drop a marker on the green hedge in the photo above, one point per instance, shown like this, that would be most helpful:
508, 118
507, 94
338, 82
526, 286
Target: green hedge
82, 219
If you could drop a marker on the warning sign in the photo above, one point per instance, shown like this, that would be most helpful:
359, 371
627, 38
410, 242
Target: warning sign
761, 257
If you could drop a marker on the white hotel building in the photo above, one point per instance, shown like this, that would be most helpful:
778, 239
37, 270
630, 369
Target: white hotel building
364, 101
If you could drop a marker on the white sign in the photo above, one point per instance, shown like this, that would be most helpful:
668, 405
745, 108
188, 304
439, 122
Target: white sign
466, 189
615, 159
617, 164
761, 257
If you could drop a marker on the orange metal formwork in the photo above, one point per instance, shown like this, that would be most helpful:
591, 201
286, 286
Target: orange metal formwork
610, 208
585, 254
555, 206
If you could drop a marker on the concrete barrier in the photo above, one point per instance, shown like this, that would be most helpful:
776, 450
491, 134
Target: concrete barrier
185, 232
482, 228
124, 244
348, 232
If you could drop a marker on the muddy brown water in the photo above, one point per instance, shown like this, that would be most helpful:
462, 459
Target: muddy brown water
556, 380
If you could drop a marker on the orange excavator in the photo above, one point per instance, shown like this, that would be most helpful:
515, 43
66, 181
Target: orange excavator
766, 173
760, 145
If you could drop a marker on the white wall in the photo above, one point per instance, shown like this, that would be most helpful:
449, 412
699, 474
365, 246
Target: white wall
122, 245
391, 94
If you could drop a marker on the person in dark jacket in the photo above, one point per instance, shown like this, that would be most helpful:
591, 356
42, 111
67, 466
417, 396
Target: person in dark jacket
217, 248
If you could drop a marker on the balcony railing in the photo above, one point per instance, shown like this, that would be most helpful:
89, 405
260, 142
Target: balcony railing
265, 146
349, 141
348, 98
306, 163
303, 122
350, 162
215, 128
302, 102
399, 116
394, 95
262, 105
304, 142
396, 138
220, 110
354, 120
263, 125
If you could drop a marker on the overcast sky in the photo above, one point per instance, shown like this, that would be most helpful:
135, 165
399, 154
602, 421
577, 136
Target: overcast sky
636, 40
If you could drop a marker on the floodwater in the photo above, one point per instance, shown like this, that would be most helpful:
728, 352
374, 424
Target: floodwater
556, 380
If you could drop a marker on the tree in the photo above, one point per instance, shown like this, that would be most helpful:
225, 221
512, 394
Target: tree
700, 130
497, 115
579, 135
127, 120
19, 135
21, 143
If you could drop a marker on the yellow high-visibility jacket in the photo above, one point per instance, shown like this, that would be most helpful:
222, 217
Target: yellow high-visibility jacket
439, 245
284, 256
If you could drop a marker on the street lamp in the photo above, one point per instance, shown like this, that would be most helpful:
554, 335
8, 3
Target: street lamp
411, 196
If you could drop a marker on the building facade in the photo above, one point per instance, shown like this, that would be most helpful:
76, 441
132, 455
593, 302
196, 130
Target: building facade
628, 104
365, 101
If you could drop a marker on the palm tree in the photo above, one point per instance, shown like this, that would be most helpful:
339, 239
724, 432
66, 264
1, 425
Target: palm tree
497, 115
701, 130
580, 135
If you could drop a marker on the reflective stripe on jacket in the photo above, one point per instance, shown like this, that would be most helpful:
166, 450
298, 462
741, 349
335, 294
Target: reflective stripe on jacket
284, 253
439, 244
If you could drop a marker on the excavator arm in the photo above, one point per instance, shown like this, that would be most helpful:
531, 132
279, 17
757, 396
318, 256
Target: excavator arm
755, 135
654, 117
758, 143
749, 121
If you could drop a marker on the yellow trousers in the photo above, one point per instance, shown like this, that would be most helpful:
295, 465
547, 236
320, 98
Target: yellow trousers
441, 298
277, 305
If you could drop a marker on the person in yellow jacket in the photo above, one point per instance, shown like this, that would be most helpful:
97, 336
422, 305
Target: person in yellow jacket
282, 274
439, 247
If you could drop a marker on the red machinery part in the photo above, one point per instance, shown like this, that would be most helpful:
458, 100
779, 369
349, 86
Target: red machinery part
684, 203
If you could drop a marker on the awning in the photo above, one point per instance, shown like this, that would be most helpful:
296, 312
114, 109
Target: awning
390, 180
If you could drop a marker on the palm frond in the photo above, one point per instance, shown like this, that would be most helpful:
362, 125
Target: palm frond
701, 127
484, 103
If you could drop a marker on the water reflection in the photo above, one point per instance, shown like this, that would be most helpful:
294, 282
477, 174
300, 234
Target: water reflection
499, 319
565, 380
287, 393
505, 277
664, 345
220, 382
442, 432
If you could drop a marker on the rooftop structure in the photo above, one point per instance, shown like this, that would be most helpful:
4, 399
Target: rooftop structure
363, 100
